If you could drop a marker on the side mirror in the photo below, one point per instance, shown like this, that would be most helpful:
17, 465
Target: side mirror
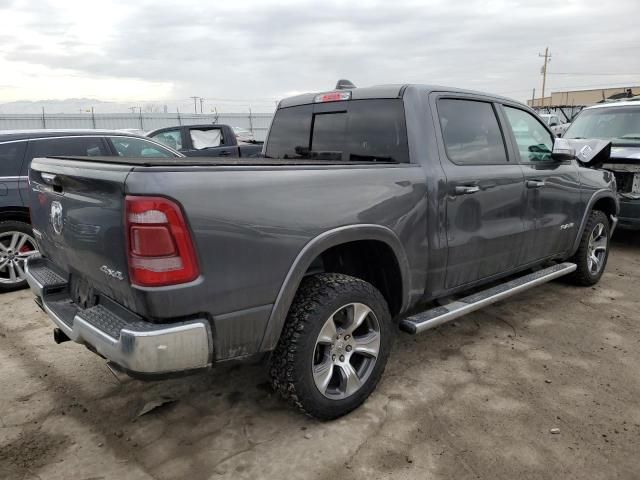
591, 153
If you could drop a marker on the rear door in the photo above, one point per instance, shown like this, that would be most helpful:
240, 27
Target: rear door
554, 205
209, 142
485, 190
12, 182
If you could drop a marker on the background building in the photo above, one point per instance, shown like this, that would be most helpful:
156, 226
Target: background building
584, 98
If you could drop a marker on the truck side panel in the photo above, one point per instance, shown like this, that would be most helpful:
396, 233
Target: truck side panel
250, 224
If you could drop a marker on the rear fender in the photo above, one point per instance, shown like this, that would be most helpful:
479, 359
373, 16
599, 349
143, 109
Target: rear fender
311, 251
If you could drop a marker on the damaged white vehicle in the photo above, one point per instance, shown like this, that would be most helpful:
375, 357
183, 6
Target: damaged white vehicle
620, 123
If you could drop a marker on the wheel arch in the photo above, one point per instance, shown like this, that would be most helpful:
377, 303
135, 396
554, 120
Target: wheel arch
315, 249
20, 214
603, 200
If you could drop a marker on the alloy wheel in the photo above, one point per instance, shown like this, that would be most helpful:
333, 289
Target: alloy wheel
346, 351
15, 248
597, 249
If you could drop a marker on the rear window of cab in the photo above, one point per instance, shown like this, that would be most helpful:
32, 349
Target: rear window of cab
349, 131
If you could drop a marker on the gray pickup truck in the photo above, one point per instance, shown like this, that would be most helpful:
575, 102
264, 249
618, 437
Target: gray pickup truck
372, 210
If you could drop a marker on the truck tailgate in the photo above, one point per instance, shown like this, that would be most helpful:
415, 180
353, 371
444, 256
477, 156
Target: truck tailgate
77, 211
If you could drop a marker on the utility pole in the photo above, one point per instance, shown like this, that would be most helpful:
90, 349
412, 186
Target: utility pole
195, 104
201, 103
533, 98
547, 59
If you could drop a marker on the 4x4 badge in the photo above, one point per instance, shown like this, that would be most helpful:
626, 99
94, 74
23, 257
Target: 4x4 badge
56, 217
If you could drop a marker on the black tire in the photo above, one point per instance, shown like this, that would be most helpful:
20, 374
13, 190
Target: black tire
317, 300
6, 228
585, 275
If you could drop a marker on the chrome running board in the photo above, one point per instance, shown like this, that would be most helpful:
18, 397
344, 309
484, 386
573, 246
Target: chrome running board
422, 321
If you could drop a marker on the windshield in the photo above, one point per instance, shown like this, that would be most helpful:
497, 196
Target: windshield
621, 125
352, 130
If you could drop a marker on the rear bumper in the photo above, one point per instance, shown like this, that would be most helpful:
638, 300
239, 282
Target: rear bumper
136, 345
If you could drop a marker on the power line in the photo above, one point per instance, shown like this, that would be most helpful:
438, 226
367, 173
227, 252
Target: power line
595, 74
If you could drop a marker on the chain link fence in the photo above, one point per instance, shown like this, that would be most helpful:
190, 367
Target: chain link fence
257, 123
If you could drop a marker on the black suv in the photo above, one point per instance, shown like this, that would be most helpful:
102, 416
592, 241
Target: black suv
17, 149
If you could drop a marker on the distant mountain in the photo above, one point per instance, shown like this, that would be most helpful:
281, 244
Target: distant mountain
83, 105
69, 105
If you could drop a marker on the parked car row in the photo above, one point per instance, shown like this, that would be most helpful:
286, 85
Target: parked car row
17, 149
370, 210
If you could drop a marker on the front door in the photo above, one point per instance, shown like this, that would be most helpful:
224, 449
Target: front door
554, 204
485, 191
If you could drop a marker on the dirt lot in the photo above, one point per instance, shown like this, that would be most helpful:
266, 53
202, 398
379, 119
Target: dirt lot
473, 399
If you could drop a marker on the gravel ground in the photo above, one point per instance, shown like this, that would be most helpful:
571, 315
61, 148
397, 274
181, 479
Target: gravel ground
478, 398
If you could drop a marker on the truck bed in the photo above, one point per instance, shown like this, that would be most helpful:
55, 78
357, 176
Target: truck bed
213, 161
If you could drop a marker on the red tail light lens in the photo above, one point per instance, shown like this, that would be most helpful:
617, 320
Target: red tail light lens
159, 244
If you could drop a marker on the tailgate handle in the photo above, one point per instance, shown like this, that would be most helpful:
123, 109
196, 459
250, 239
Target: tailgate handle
466, 189
535, 183
50, 179
53, 180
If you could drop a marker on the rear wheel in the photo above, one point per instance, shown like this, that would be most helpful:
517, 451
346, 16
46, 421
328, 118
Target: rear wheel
334, 345
16, 246
593, 251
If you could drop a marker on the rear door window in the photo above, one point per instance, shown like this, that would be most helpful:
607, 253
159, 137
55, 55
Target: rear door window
355, 130
68, 146
206, 138
471, 132
11, 157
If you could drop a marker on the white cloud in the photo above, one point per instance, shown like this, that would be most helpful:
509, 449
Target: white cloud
253, 52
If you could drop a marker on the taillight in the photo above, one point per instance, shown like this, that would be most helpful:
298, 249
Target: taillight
159, 245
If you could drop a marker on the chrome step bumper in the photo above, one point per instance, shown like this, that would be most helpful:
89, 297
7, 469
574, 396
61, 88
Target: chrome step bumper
117, 334
422, 321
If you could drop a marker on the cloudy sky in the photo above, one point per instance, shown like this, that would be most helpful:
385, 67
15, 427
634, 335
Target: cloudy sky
239, 53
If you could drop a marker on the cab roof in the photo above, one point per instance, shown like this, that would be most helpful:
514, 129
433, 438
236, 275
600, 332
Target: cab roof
383, 91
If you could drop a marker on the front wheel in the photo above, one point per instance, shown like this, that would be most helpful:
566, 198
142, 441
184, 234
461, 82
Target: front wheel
334, 345
593, 251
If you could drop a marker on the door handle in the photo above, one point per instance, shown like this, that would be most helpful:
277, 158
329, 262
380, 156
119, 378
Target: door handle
535, 183
225, 153
466, 189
